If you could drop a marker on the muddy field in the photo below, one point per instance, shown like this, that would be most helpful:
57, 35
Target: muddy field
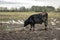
30, 35
52, 33
15, 31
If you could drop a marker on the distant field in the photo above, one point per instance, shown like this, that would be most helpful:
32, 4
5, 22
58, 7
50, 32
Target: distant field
5, 16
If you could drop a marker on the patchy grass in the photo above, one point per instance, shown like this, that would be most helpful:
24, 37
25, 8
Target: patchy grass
39, 34
54, 14
5, 16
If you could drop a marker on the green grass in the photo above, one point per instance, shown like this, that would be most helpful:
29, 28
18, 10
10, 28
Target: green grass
5, 16
54, 14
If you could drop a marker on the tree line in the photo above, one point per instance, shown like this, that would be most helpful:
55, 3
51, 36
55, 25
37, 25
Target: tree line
33, 8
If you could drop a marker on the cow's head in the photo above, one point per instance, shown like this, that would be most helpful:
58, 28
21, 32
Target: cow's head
26, 23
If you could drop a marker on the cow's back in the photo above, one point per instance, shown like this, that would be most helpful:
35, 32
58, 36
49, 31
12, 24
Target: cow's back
36, 18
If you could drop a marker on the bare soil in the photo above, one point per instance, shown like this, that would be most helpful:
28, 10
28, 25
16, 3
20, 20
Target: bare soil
39, 34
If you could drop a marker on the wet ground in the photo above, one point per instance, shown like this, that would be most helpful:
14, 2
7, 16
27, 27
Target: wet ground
52, 33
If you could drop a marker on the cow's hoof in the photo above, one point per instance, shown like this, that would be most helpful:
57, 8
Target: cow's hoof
30, 29
33, 29
45, 28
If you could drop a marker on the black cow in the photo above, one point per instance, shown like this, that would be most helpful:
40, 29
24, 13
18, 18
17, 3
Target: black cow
37, 19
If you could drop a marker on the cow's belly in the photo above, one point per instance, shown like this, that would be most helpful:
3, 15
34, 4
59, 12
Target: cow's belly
38, 22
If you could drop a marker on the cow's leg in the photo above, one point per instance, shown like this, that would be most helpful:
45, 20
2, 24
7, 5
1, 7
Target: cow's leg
45, 25
32, 26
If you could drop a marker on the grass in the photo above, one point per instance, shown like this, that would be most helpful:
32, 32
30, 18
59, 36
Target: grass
5, 16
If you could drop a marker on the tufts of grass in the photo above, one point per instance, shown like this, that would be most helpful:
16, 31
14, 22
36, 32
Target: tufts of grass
5, 16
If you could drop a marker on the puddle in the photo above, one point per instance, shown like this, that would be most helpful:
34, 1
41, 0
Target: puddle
57, 28
54, 39
13, 22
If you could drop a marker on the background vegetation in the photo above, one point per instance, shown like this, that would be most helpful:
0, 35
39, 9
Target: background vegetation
23, 13
33, 8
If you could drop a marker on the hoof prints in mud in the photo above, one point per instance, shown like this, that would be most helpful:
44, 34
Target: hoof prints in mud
39, 34
31, 35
